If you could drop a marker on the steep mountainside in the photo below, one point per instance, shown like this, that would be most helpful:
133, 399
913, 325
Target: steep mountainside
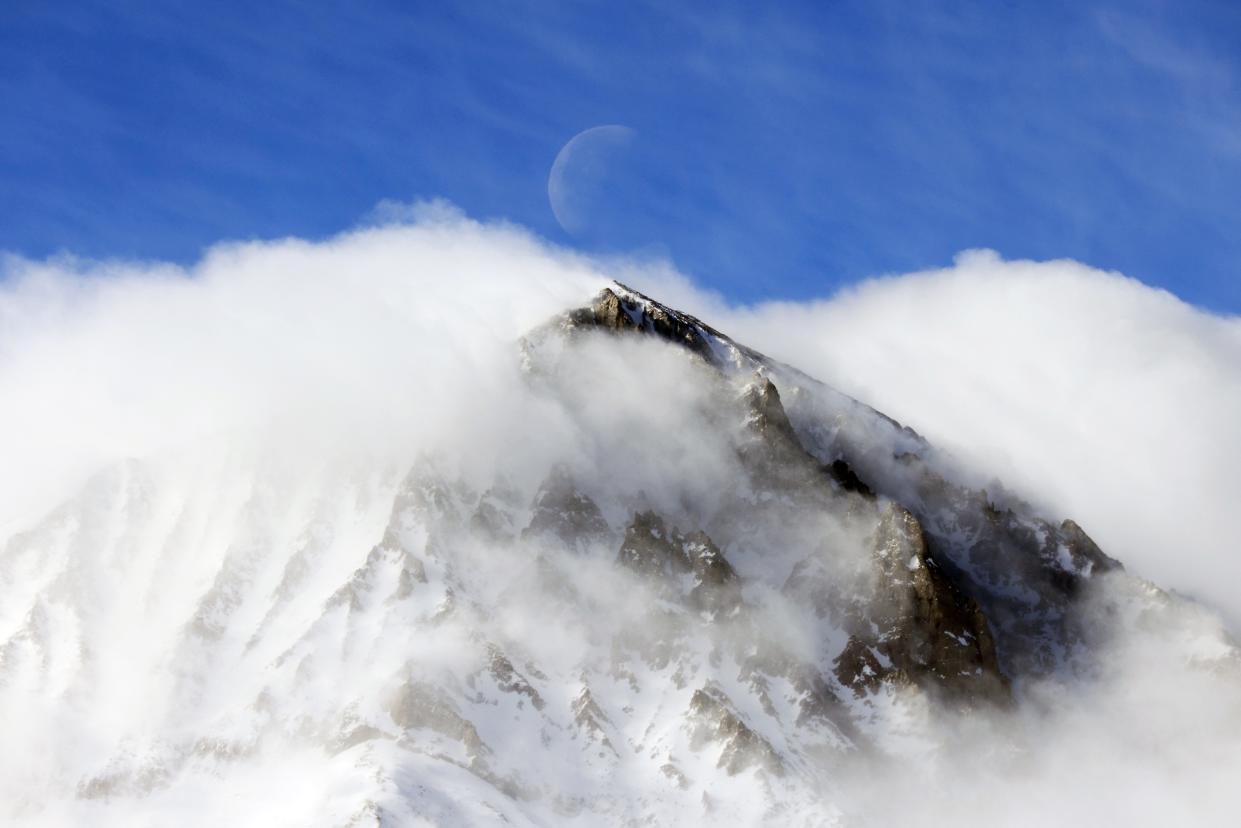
702, 588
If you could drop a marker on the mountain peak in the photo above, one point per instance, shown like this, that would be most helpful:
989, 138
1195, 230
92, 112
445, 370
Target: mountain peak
670, 582
621, 308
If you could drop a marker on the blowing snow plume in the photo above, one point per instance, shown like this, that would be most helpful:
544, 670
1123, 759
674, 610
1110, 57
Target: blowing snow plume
433, 525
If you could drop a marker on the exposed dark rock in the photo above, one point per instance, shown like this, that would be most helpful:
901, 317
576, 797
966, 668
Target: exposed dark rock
859, 665
508, 679
610, 311
1028, 575
926, 628
844, 475
773, 454
590, 719
716, 585
1086, 555
768, 414
708, 562
660, 553
714, 719
561, 510
652, 549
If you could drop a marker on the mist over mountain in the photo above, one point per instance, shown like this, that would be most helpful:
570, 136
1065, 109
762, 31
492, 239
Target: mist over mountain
432, 524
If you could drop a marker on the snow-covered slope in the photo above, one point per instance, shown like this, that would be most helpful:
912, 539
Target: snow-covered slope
681, 584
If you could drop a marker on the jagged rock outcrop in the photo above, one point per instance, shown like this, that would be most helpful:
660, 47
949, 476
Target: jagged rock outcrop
768, 415
591, 720
625, 310
561, 510
922, 627
717, 588
847, 478
508, 679
713, 718
653, 550
658, 552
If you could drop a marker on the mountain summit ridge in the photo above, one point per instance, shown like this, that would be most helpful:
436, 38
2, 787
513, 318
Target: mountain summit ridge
949, 581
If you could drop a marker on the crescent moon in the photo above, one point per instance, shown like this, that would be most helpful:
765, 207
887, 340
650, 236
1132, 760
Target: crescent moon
578, 168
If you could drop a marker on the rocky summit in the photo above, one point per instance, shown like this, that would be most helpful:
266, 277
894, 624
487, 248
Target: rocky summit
961, 595
680, 583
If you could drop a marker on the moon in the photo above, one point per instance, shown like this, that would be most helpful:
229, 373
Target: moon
578, 183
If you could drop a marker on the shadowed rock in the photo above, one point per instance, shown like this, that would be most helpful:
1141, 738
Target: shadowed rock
507, 678
614, 312
924, 629
847, 478
661, 554
561, 510
716, 585
652, 549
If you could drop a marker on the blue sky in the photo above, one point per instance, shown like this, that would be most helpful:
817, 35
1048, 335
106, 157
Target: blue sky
780, 150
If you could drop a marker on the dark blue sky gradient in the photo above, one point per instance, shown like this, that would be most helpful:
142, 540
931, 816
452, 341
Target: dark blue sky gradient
782, 150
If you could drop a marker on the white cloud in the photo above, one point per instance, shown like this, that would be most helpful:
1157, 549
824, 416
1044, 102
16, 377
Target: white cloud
1089, 393
104, 360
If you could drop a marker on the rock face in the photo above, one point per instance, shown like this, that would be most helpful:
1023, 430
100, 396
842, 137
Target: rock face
652, 550
661, 554
715, 720
561, 510
923, 628
623, 310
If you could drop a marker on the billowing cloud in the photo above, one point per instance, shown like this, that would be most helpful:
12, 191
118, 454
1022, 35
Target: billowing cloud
206, 617
101, 361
